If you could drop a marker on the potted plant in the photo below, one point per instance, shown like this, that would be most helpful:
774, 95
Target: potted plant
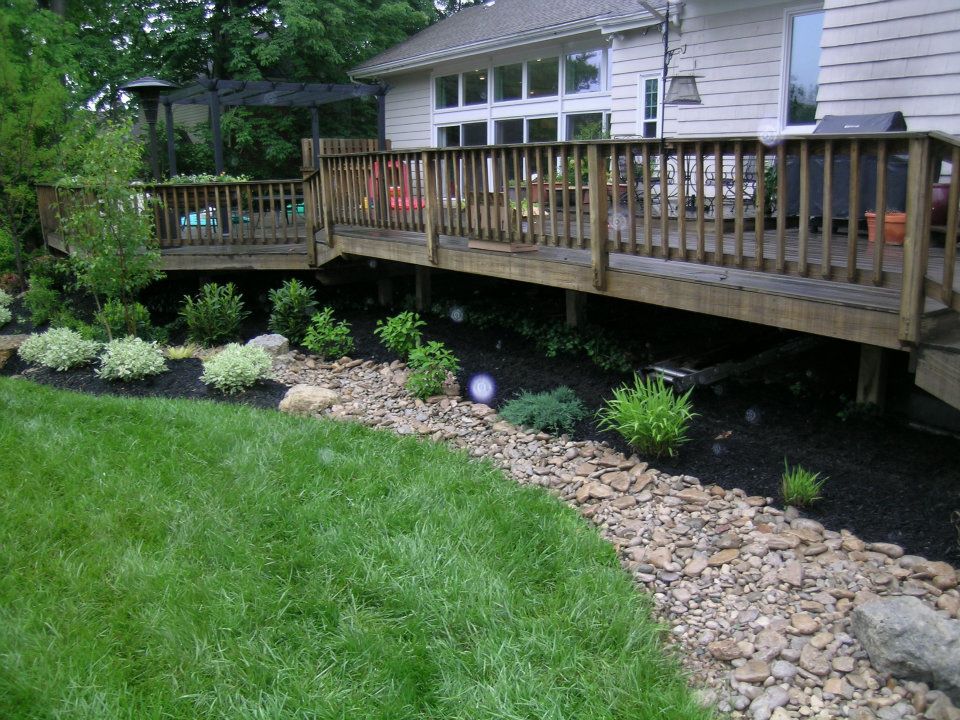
894, 227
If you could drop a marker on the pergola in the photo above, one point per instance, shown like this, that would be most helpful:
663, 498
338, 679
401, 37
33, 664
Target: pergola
217, 93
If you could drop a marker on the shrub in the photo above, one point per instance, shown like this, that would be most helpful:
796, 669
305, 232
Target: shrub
41, 299
7, 254
130, 358
401, 333
293, 307
328, 337
64, 318
236, 368
6, 299
649, 416
799, 486
215, 315
113, 317
5, 316
58, 348
181, 352
430, 365
558, 410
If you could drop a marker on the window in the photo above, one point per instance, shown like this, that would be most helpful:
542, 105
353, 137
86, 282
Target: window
649, 107
582, 71
448, 136
542, 129
474, 133
475, 87
802, 66
508, 82
543, 77
509, 132
448, 91
585, 126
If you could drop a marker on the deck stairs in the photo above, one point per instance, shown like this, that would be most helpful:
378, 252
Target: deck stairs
938, 358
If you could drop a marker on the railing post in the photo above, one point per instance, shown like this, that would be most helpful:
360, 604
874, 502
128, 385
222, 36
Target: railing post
599, 252
916, 241
326, 199
309, 213
431, 202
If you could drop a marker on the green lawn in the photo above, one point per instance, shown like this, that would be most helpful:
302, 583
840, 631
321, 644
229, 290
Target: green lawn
190, 560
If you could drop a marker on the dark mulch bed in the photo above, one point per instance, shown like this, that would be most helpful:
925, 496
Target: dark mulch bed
887, 482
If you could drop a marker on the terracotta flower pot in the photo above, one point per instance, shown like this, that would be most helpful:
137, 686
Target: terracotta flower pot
894, 227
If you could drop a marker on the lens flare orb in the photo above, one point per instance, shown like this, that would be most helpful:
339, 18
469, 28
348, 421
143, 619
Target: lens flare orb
482, 388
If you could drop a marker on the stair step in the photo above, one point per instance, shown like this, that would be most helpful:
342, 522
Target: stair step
938, 372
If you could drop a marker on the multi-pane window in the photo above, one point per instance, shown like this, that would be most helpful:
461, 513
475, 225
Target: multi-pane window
508, 82
650, 106
475, 87
448, 136
447, 91
542, 129
508, 132
543, 77
585, 126
582, 71
474, 133
803, 64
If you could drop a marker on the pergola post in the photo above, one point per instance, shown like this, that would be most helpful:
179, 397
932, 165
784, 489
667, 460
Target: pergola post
215, 130
171, 150
382, 121
315, 135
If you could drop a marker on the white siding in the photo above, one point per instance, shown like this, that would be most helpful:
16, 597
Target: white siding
737, 53
408, 110
880, 56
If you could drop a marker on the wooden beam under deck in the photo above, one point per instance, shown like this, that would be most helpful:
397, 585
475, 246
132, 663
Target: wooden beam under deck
850, 312
292, 256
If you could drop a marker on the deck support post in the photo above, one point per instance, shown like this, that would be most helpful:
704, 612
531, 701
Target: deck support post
599, 229
422, 288
872, 378
575, 302
430, 202
385, 291
309, 212
916, 241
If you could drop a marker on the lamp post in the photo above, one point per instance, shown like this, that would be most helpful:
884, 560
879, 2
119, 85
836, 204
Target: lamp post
147, 90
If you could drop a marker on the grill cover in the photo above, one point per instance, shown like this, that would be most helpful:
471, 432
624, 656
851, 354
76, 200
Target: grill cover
855, 124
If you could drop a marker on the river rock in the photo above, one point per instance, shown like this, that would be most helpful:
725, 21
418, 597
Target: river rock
771, 699
906, 638
308, 399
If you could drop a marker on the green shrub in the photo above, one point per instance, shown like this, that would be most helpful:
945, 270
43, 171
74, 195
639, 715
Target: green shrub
649, 416
558, 410
429, 365
799, 486
215, 316
64, 318
327, 337
401, 333
5, 316
6, 299
113, 318
130, 358
293, 307
8, 261
236, 368
41, 299
58, 348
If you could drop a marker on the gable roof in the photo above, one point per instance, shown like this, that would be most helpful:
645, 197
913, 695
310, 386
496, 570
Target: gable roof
501, 23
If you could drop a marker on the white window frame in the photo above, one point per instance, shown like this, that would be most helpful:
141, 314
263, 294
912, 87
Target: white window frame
642, 103
788, 16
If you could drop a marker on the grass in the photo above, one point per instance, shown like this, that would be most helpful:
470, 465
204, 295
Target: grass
799, 486
174, 559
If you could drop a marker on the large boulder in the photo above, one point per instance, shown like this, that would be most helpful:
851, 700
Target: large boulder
9, 345
308, 400
274, 344
909, 640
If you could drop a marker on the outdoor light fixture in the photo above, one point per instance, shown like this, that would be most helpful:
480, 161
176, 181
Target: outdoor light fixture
682, 91
147, 90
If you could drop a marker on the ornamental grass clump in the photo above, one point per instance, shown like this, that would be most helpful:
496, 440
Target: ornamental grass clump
558, 410
215, 315
130, 358
799, 486
430, 365
401, 333
59, 349
327, 337
236, 368
649, 416
293, 306
181, 352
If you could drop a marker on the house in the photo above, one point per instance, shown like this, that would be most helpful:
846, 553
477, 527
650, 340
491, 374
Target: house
513, 71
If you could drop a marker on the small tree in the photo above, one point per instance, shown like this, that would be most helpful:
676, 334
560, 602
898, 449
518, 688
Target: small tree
110, 224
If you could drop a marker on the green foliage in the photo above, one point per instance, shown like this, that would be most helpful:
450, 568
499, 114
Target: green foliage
649, 416
236, 368
130, 358
215, 316
205, 179
64, 318
769, 189
6, 299
293, 307
799, 486
181, 352
400, 334
558, 410
113, 317
8, 258
42, 300
327, 337
429, 366
5, 316
59, 349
